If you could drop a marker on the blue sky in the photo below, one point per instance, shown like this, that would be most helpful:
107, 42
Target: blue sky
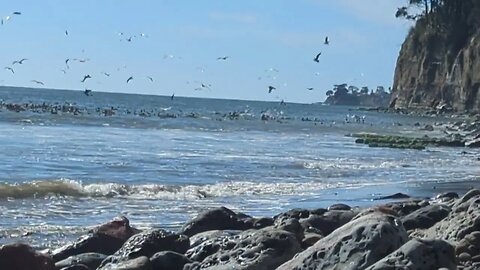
258, 36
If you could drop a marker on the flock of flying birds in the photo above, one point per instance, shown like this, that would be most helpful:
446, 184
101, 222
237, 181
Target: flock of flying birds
88, 92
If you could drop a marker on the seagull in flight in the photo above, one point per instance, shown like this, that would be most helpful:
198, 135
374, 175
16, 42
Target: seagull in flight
66, 62
37, 82
271, 88
64, 71
66, 32
11, 69
86, 77
129, 79
150, 78
317, 58
106, 74
327, 41
19, 61
223, 58
81, 60
310, 88
173, 95
16, 13
87, 92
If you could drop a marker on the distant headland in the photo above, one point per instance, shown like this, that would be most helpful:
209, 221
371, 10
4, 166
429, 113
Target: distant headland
350, 95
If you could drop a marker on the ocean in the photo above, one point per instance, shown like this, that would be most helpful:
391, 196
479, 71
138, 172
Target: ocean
70, 161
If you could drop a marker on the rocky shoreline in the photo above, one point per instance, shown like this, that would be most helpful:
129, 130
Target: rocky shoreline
442, 233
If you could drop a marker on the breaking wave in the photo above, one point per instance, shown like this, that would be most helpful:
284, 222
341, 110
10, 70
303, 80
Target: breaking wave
73, 188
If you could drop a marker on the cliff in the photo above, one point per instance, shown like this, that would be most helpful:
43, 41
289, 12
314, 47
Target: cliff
439, 62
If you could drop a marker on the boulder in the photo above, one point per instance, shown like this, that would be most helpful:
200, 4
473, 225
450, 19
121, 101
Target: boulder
23, 257
139, 263
220, 218
169, 260
199, 238
419, 254
328, 221
105, 239
356, 245
393, 196
404, 208
262, 249
91, 260
462, 220
147, 243
339, 206
425, 217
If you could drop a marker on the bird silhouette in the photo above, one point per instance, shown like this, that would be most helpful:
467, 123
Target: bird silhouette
86, 77
317, 58
19, 61
37, 82
223, 58
173, 95
11, 69
309, 88
106, 74
87, 92
129, 79
66, 62
150, 78
327, 41
66, 32
271, 88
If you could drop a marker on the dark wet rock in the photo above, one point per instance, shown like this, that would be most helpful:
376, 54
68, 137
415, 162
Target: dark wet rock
168, 260
339, 206
462, 220
329, 221
356, 245
473, 142
427, 127
139, 263
394, 196
297, 213
447, 196
199, 238
262, 222
23, 257
310, 239
262, 249
403, 208
91, 260
148, 243
290, 225
105, 239
425, 217
419, 254
119, 228
220, 218
470, 244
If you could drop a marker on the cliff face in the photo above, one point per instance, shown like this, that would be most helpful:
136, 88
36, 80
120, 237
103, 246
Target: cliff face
438, 68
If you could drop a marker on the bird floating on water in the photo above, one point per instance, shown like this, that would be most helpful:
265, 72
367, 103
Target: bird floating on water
271, 88
317, 58
86, 77
129, 79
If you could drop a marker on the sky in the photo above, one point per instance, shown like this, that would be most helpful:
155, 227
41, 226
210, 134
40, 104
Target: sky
178, 42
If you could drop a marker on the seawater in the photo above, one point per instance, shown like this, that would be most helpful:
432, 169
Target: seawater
160, 161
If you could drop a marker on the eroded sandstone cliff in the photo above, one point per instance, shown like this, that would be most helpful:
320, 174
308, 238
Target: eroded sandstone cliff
439, 62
